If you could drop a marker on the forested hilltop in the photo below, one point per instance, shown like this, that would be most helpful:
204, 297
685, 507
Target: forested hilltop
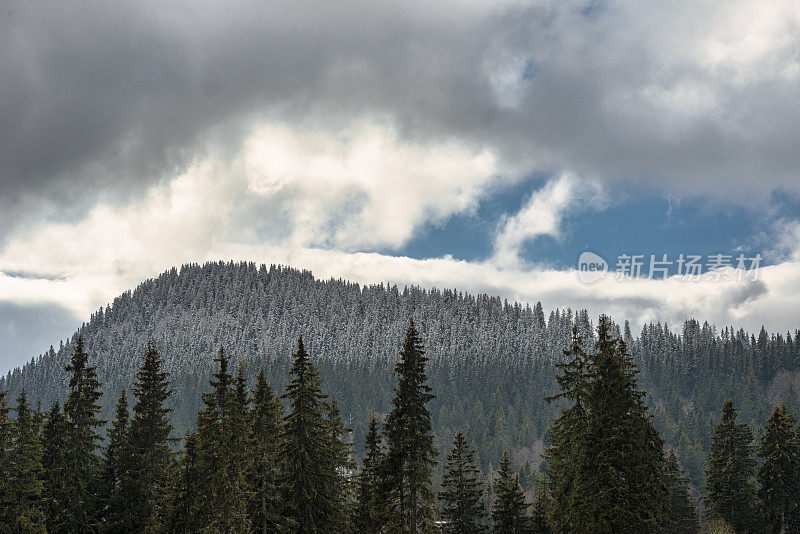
491, 362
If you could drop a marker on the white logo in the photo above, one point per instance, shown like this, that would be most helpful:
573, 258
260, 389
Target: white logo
591, 267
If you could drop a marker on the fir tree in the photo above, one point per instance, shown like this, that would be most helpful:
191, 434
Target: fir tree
149, 452
183, 505
54, 463
6, 437
606, 457
310, 478
222, 485
114, 468
82, 465
340, 459
509, 513
266, 505
779, 489
410, 456
463, 510
618, 486
369, 514
566, 436
539, 518
680, 514
730, 491
24, 484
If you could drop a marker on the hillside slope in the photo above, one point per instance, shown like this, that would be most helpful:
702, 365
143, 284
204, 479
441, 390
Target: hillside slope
492, 361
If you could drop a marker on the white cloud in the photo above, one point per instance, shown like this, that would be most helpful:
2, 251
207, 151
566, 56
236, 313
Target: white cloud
363, 186
205, 215
542, 215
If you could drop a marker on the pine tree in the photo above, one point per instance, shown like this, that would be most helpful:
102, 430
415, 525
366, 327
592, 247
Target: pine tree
730, 491
566, 436
183, 504
369, 514
266, 505
680, 514
779, 489
408, 465
463, 510
54, 463
606, 457
310, 478
148, 453
82, 464
24, 483
114, 468
509, 511
539, 517
340, 459
6, 438
221, 484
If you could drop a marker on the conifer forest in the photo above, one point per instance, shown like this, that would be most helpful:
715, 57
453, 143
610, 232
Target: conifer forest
237, 398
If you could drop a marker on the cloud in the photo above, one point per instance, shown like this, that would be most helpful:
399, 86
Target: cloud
101, 101
542, 215
210, 213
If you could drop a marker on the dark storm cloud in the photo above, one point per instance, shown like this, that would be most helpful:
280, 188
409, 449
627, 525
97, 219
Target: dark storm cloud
105, 98
28, 329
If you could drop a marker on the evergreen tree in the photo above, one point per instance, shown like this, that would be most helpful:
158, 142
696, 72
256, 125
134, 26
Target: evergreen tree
606, 457
566, 436
54, 463
24, 483
680, 514
369, 514
730, 492
148, 452
463, 510
221, 484
310, 478
114, 468
410, 457
6, 438
539, 518
340, 459
509, 511
779, 489
266, 505
183, 505
82, 464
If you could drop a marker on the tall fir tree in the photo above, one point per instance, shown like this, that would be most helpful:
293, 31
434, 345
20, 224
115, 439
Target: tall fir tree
463, 510
82, 464
310, 478
6, 438
24, 515
339, 457
148, 452
222, 485
779, 473
410, 456
182, 513
114, 469
618, 456
54, 463
509, 512
566, 436
680, 513
266, 504
369, 514
730, 490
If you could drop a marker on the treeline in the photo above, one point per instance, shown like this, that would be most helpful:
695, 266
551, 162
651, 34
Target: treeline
259, 462
492, 361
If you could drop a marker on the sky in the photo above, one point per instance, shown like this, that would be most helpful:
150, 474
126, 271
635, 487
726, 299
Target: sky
510, 147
